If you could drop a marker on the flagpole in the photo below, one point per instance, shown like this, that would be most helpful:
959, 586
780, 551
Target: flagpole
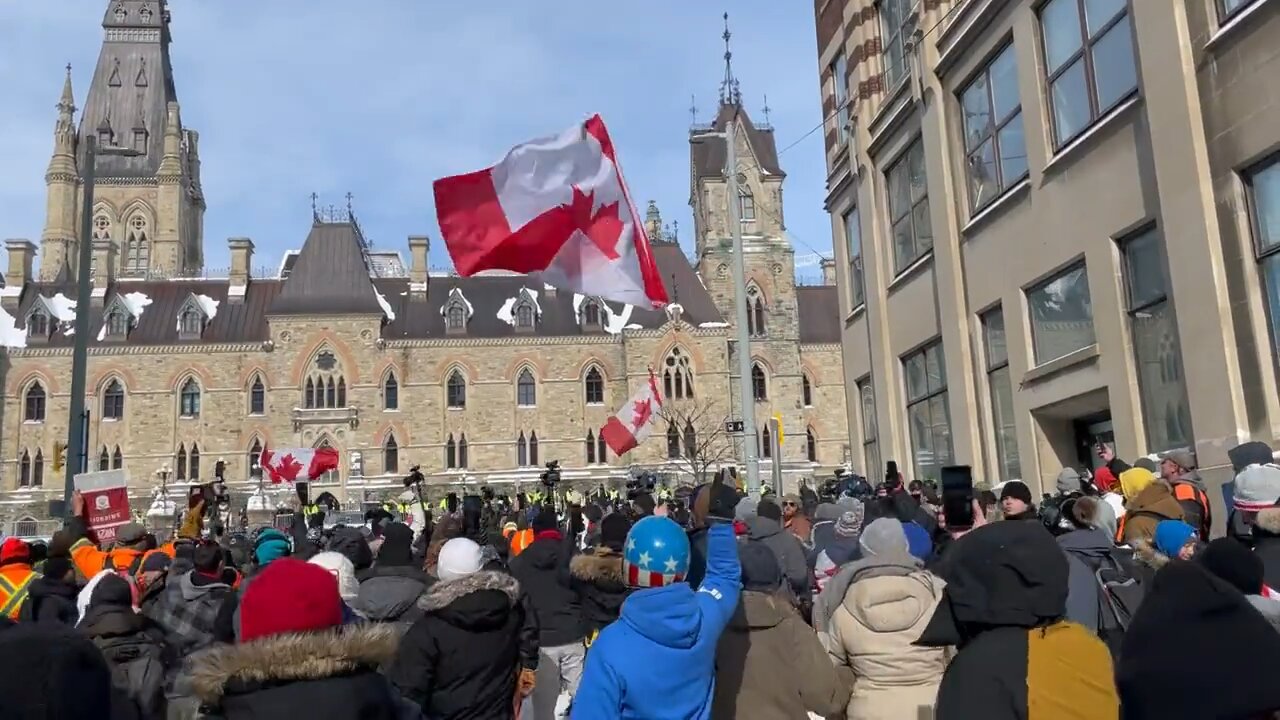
749, 437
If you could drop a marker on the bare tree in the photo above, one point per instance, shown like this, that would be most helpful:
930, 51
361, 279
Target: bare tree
694, 431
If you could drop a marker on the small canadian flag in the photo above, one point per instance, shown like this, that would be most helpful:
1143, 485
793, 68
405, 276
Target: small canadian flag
634, 421
298, 463
558, 206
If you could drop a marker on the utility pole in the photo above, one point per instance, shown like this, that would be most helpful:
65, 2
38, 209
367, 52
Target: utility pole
76, 425
749, 436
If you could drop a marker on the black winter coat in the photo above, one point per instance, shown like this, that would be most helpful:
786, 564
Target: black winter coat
597, 574
135, 651
389, 594
1266, 545
326, 675
543, 572
50, 601
461, 660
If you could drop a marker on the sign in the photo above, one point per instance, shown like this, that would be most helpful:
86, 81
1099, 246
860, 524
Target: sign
106, 502
734, 426
777, 428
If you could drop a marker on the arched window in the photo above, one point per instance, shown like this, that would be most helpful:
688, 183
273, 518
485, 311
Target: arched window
673, 442
309, 395
104, 459
677, 376
806, 391
113, 401
255, 459
591, 314
533, 447
526, 389
450, 453
193, 462
456, 317
39, 325
27, 527
524, 316
390, 393
180, 466
522, 451
766, 442
189, 399
746, 201
755, 312
811, 445
390, 455
24, 470
101, 226
117, 459
35, 403
257, 397
137, 255
342, 392
325, 386
457, 390
117, 324
591, 448
690, 440
190, 323
759, 387
602, 448
595, 387
462, 450
330, 394
37, 469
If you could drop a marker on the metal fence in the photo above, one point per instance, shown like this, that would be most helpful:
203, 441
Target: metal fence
29, 528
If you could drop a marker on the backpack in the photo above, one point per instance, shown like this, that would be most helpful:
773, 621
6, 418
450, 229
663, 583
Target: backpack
109, 563
1120, 592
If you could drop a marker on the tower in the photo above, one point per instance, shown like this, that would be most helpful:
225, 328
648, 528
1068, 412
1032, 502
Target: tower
150, 205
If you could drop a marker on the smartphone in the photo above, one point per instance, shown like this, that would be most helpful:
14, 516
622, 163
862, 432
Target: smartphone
301, 487
957, 496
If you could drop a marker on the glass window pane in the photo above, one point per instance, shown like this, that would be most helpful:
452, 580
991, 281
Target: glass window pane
894, 61
921, 438
1266, 205
993, 338
1060, 23
940, 415
1144, 269
1230, 6
1114, 68
917, 383
984, 184
1160, 378
868, 410
976, 105
1004, 84
1002, 419
1070, 103
1061, 315
904, 247
935, 368
899, 191
1013, 152
1271, 281
871, 454
915, 164
1100, 12
923, 228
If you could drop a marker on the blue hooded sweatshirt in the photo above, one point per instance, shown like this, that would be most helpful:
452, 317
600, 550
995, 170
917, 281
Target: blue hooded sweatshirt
658, 660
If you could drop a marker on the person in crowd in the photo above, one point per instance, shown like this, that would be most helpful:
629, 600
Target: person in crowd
1251, 491
825, 516
989, 503
1255, 519
53, 672
294, 653
1015, 501
1070, 486
267, 546
1003, 609
448, 527
1242, 569
543, 572
1178, 471
769, 664
843, 548
1108, 486
919, 541
658, 660
872, 613
389, 591
593, 514
1196, 649
794, 519
51, 598
1107, 453
131, 643
1147, 503
598, 577
348, 587
151, 577
471, 654
700, 502
766, 527
352, 544
1172, 539
1086, 547
16, 576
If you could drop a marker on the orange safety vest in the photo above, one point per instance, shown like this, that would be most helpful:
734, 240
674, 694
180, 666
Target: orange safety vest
14, 587
1183, 491
520, 540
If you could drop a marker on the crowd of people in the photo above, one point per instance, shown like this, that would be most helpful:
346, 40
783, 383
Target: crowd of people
1105, 598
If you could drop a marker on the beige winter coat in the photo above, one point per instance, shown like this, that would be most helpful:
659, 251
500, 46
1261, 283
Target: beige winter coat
885, 610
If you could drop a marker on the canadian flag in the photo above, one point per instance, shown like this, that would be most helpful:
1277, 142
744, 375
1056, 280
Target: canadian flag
557, 206
633, 422
298, 463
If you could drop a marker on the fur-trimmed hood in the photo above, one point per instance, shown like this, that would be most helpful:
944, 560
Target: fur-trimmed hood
443, 594
603, 564
1268, 520
291, 657
1145, 552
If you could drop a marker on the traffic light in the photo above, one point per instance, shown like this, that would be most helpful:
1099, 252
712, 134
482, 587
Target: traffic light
59, 456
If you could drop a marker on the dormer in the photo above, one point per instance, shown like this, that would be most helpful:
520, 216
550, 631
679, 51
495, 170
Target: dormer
193, 317
525, 311
117, 320
41, 321
591, 315
457, 312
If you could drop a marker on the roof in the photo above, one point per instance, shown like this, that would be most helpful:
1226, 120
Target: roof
382, 264
819, 309
330, 276
708, 153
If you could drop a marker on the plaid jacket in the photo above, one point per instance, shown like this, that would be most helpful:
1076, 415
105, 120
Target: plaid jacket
186, 612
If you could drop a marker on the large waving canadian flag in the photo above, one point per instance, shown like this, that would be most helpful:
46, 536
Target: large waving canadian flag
632, 424
294, 464
558, 206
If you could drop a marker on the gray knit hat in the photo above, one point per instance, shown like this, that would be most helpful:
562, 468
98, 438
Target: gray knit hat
884, 538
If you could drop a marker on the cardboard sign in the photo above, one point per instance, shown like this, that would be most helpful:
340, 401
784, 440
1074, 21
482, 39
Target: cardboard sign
106, 503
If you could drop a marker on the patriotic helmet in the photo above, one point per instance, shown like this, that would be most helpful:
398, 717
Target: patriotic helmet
656, 553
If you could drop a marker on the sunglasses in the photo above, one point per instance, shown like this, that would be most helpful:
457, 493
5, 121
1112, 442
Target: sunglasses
788, 504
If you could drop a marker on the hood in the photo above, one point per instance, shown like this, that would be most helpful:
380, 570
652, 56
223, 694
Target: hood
866, 568
1145, 552
191, 591
604, 566
293, 657
387, 596
112, 621
1068, 481
759, 611
890, 603
759, 528
669, 616
543, 554
1268, 521
1086, 543
1269, 607
479, 601
1158, 499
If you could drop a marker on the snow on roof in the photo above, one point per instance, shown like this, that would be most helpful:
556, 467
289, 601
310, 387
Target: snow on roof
208, 305
713, 325
386, 306
62, 308
10, 335
633, 326
136, 302
506, 313
615, 323
456, 293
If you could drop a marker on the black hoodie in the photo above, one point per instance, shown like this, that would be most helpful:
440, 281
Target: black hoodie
134, 650
597, 574
543, 572
50, 601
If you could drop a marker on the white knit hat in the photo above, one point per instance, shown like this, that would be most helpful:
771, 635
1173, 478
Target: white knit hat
458, 558
343, 570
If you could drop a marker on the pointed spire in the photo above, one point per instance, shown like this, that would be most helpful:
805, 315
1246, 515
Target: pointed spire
67, 103
766, 110
729, 93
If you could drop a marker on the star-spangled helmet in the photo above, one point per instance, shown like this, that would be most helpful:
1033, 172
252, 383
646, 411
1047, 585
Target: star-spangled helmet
656, 553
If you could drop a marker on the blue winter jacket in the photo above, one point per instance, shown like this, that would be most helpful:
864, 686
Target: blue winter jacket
658, 660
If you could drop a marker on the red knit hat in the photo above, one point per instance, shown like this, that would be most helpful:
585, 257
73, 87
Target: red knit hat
289, 596
14, 550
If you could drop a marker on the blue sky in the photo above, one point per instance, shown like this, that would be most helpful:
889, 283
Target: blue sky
380, 98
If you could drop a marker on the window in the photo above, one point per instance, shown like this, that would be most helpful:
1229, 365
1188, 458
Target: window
1263, 185
595, 387
591, 447
673, 442
602, 448
766, 442
24, 470
457, 390
113, 401
806, 390
104, 459
117, 324
1061, 315
117, 459
746, 202
180, 467
35, 402
257, 397
38, 325
457, 318
810, 445
101, 227
759, 386
462, 451
853, 238
870, 444
590, 314
1228, 8
1000, 386
450, 453
690, 440
390, 393
909, 207
524, 317
840, 83
255, 459
189, 399
899, 20
927, 411
137, 249
37, 469
140, 139
342, 393
996, 149
755, 312
1089, 56
1156, 350
677, 377
526, 389
533, 447
522, 451
193, 462
390, 455
330, 393
190, 323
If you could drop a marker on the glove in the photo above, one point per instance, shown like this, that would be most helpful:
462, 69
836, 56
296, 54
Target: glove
723, 500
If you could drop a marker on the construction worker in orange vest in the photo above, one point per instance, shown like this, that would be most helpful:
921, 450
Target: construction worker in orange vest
15, 576
130, 547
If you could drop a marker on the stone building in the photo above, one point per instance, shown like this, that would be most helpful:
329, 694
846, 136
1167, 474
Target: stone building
478, 380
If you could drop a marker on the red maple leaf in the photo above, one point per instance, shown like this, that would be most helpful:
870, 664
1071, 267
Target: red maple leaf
288, 467
604, 228
641, 411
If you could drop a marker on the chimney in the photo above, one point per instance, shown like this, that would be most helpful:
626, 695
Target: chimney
241, 258
828, 266
104, 268
22, 255
419, 246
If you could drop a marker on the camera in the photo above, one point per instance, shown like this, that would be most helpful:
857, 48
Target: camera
414, 477
551, 476
644, 482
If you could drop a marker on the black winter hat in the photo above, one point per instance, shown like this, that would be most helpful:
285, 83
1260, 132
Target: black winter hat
58, 567
1017, 490
1230, 560
1250, 453
1147, 463
1189, 613
397, 545
111, 590
545, 519
350, 542
613, 531
593, 513
761, 571
52, 673
769, 509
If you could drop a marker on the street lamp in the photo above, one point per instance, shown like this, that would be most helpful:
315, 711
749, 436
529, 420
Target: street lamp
77, 421
161, 504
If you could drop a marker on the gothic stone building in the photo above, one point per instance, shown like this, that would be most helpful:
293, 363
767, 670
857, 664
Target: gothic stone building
480, 379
